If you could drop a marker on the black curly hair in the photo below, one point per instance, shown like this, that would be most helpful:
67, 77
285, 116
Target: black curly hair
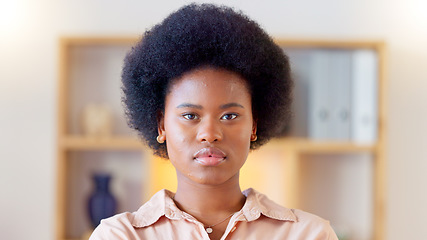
203, 35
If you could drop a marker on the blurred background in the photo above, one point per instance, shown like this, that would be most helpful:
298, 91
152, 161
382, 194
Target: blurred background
29, 68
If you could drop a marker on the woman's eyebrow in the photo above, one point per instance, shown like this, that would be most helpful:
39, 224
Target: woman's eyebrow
224, 106
189, 105
229, 105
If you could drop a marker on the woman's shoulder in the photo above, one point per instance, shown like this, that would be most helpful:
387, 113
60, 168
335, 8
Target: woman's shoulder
117, 225
292, 221
307, 218
268, 207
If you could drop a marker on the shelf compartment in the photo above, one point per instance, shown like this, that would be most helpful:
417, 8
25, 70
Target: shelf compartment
91, 76
129, 171
339, 188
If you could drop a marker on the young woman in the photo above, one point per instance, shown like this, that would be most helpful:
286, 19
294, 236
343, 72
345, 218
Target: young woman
202, 88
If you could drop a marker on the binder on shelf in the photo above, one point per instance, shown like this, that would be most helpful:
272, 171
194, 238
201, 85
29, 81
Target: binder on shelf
364, 96
319, 105
339, 94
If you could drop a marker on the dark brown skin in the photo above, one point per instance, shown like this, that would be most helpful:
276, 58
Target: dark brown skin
208, 108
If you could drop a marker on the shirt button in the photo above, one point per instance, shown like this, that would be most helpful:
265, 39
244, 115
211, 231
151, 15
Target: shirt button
234, 228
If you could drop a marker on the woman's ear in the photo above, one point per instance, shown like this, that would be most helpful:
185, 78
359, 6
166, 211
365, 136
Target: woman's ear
161, 127
254, 127
254, 137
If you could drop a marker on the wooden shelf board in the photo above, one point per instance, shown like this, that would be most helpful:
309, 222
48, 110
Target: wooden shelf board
323, 43
301, 145
113, 143
98, 40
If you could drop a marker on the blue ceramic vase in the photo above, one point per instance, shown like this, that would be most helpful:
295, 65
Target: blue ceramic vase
102, 203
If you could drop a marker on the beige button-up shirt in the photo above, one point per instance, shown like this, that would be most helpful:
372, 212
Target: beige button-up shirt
260, 218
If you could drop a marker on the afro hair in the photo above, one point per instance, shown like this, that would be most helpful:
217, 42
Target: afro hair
206, 35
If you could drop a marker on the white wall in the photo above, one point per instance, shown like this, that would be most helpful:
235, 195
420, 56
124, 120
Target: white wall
28, 70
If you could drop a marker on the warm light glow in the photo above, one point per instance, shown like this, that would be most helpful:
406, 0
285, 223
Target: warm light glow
10, 12
420, 15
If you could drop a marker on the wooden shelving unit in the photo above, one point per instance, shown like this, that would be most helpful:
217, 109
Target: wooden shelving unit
281, 169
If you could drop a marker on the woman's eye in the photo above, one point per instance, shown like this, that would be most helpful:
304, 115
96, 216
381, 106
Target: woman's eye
189, 116
229, 116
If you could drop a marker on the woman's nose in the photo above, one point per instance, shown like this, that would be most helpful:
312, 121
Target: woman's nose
209, 131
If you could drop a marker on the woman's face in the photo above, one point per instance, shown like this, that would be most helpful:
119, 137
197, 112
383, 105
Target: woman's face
208, 125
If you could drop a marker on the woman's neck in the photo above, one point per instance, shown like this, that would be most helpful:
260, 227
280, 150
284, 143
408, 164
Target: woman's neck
209, 203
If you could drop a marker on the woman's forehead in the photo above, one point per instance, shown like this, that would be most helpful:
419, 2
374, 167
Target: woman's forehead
207, 85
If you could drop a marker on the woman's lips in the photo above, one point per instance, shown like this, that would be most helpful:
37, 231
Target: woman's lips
209, 156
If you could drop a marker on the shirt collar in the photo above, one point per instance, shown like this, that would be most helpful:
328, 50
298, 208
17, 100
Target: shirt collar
257, 204
161, 204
